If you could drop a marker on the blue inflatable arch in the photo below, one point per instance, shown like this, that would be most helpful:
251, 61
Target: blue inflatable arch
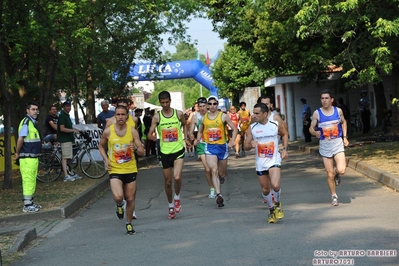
176, 70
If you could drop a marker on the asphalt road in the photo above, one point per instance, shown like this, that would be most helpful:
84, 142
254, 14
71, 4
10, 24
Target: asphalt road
366, 220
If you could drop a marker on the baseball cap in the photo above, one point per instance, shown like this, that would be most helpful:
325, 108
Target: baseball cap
202, 100
213, 97
364, 91
66, 103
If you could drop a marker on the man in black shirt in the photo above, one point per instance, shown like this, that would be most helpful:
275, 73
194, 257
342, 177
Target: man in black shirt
50, 125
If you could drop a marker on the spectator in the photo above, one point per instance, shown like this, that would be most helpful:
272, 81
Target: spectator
147, 119
306, 113
66, 138
50, 125
386, 121
364, 108
138, 113
103, 117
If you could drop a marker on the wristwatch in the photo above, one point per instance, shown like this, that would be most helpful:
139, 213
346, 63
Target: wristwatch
285, 148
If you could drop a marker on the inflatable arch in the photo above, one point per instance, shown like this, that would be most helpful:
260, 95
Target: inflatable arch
176, 70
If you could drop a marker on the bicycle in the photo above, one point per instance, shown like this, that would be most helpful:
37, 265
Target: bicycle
356, 123
88, 158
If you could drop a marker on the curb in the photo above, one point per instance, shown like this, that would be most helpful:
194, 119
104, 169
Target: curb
65, 211
385, 178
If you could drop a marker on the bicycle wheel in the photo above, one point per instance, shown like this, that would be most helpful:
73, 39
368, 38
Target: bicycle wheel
49, 167
73, 163
92, 163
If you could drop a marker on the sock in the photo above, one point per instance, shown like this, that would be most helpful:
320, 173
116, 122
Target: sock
219, 194
334, 195
177, 197
171, 205
269, 200
276, 195
212, 189
120, 204
28, 200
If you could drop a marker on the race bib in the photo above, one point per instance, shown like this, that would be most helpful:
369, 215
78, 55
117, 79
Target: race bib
170, 134
122, 154
266, 150
331, 132
214, 134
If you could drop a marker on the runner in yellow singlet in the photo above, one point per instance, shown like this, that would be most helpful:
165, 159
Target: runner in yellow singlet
213, 128
121, 140
244, 122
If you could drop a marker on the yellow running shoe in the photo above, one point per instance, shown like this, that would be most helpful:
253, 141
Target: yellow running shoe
272, 218
278, 210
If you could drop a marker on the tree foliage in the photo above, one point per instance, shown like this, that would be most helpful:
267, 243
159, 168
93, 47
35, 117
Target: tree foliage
308, 37
234, 71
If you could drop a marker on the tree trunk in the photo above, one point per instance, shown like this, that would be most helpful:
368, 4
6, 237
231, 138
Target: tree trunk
6, 107
380, 101
395, 94
47, 86
90, 106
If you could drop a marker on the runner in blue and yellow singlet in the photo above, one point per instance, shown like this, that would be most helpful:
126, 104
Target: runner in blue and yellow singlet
213, 129
196, 122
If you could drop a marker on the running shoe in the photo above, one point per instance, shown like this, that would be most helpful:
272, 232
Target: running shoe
278, 210
129, 229
134, 217
272, 217
221, 179
30, 208
119, 211
337, 178
334, 201
177, 206
219, 200
76, 177
172, 213
237, 156
212, 194
69, 178
37, 206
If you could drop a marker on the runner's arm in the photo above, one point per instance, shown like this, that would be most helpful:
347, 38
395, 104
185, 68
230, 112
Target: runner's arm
313, 124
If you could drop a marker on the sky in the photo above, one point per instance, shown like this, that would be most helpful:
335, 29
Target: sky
201, 30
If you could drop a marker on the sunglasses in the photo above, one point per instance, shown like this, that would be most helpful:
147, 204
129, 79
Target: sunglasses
213, 103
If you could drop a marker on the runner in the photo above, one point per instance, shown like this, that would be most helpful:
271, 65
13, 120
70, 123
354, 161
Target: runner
263, 136
121, 140
169, 123
195, 124
213, 128
245, 121
235, 118
331, 129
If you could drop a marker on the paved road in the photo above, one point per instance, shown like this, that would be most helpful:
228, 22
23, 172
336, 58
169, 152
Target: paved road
238, 234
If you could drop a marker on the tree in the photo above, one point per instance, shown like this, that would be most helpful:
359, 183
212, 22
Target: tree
234, 71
